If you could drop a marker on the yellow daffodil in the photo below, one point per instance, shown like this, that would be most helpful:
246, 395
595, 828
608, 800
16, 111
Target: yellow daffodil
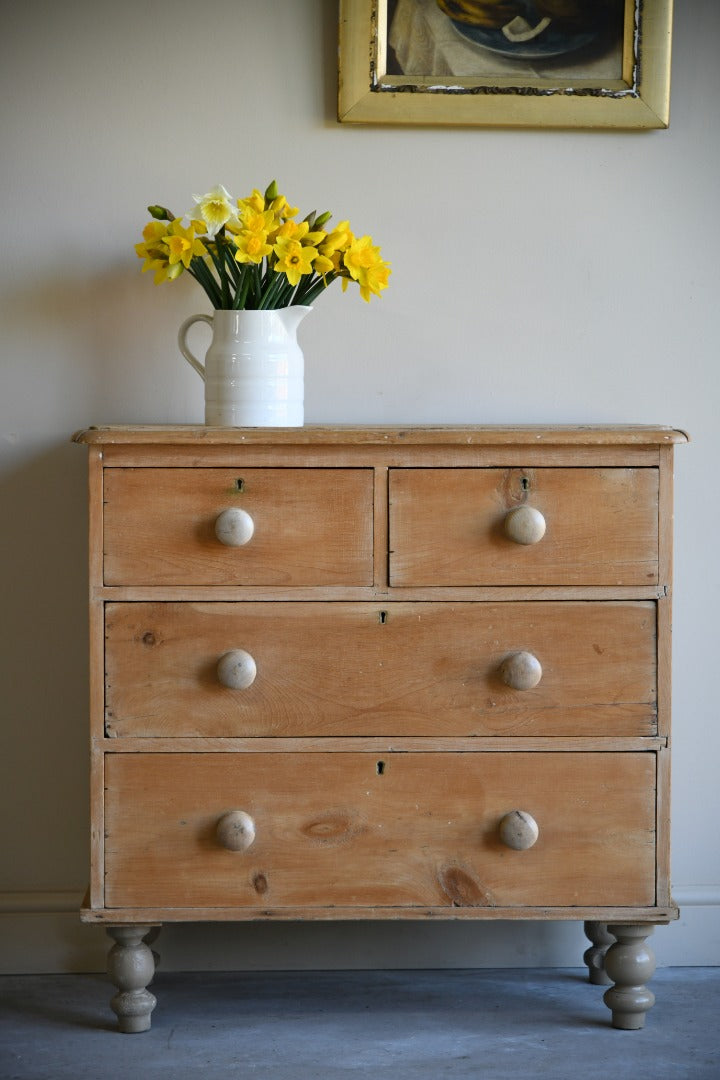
360, 255
216, 209
182, 244
251, 246
365, 265
323, 265
375, 280
292, 230
155, 253
339, 239
299, 230
257, 221
255, 202
293, 259
282, 209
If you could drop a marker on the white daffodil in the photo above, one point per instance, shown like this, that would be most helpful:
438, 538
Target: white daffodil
216, 209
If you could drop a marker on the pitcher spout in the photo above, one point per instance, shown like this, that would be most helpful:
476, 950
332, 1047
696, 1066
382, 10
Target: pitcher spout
291, 317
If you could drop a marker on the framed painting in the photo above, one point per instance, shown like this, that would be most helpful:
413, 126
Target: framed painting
516, 63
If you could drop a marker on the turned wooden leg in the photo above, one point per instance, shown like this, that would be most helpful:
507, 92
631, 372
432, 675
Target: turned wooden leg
629, 963
131, 968
150, 940
594, 957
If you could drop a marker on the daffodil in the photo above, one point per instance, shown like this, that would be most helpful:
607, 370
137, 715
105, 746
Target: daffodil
216, 209
182, 244
339, 239
257, 221
323, 265
293, 259
251, 246
282, 209
154, 252
375, 280
360, 255
365, 265
255, 202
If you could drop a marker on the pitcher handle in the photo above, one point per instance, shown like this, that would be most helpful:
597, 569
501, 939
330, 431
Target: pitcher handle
182, 342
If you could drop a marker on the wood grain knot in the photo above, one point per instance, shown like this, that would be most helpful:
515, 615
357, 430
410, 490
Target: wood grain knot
260, 884
149, 638
462, 889
330, 829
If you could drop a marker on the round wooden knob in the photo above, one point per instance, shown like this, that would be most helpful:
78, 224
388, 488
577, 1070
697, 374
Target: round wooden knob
524, 525
236, 669
234, 527
235, 830
521, 671
519, 830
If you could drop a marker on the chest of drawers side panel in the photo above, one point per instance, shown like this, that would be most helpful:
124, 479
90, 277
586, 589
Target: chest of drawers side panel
664, 667
97, 677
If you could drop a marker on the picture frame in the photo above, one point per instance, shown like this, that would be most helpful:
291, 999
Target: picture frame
620, 80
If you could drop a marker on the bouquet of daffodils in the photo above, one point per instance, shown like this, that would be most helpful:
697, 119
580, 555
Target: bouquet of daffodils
253, 254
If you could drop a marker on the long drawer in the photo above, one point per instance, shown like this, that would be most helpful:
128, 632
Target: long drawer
329, 669
334, 829
305, 526
453, 526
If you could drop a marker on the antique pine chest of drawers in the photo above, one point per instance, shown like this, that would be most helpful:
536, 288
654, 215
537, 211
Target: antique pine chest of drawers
381, 673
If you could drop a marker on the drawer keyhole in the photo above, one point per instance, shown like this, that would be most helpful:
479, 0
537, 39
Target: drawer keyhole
380, 768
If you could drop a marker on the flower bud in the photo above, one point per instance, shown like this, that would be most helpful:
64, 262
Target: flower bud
160, 213
272, 191
319, 222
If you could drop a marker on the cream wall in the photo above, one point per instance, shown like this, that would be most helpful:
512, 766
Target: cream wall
537, 276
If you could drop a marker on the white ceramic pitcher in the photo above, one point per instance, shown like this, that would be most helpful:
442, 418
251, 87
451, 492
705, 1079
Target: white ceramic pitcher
254, 369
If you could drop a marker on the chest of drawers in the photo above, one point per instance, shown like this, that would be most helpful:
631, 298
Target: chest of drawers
381, 673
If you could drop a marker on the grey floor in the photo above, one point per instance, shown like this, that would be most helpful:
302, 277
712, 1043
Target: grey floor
404, 1025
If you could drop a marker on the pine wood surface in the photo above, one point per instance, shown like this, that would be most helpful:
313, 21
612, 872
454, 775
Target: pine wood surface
446, 526
657, 914
312, 527
413, 435
421, 830
358, 669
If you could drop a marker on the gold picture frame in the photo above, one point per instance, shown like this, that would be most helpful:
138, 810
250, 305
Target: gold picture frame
628, 86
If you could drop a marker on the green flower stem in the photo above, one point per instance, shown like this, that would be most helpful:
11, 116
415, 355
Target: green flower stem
257, 284
233, 266
240, 301
315, 289
219, 262
202, 274
272, 295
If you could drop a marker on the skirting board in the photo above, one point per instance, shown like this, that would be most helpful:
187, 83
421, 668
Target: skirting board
41, 932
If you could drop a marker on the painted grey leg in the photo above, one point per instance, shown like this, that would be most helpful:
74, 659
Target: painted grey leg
594, 957
131, 968
630, 964
150, 940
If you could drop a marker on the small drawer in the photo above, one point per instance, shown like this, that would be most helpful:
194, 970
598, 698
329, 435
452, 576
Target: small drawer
523, 526
315, 830
330, 669
273, 527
